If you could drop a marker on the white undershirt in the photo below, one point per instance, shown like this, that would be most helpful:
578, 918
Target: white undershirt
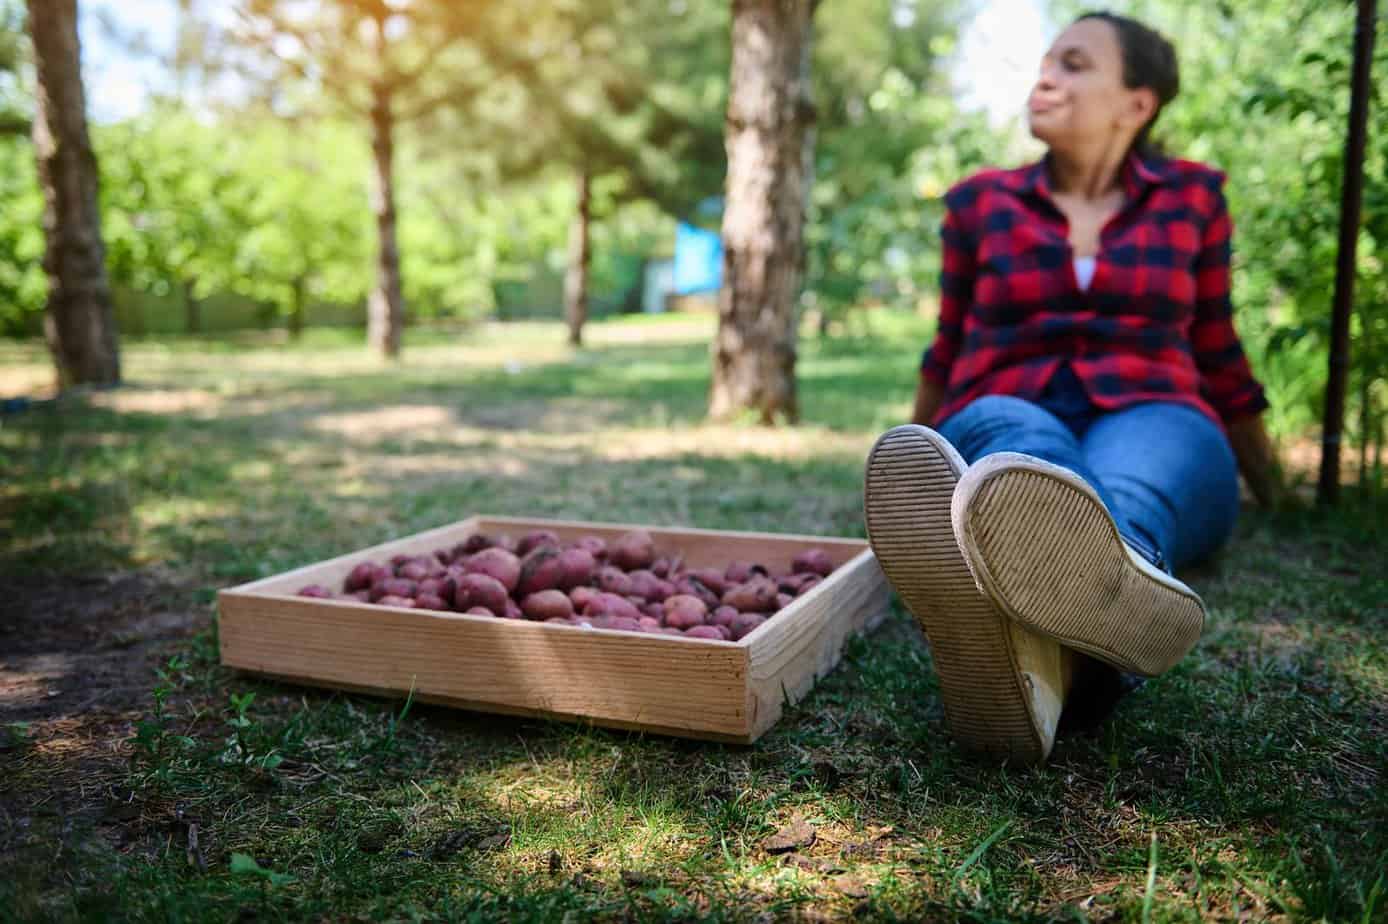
1084, 271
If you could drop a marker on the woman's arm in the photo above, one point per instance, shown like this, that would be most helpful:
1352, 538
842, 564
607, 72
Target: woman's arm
1226, 379
1258, 461
929, 397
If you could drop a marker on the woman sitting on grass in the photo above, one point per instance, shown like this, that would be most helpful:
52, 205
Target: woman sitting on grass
1091, 406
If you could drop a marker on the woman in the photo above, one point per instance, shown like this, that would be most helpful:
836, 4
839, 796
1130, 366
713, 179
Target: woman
1091, 406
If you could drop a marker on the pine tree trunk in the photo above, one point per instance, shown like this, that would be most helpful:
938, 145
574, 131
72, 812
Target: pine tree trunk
576, 276
80, 322
298, 291
192, 308
385, 312
770, 144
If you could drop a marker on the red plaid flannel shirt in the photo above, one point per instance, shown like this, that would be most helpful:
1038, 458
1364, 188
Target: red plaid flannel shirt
1156, 323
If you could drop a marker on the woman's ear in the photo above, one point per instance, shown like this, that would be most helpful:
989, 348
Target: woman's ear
1141, 108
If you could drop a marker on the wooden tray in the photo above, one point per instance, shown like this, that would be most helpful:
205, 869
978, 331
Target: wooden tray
722, 691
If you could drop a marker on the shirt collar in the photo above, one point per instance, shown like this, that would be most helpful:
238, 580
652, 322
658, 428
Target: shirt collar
1137, 174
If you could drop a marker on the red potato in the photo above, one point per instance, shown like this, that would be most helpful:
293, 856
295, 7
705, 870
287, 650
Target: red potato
560, 620
507, 542
443, 587
740, 572
413, 570
713, 633
473, 544
581, 596
443, 557
545, 605
660, 567
649, 624
393, 600
684, 612
394, 587
431, 602
815, 560
480, 590
316, 590
512, 610
363, 595
605, 604
540, 537
745, 623
723, 616
693, 587
755, 596
633, 550
809, 585
622, 623
541, 569
613, 580
711, 578
364, 575
655, 610
646, 585
595, 546
480, 611
497, 563
726, 632
783, 601
670, 630
577, 566
397, 560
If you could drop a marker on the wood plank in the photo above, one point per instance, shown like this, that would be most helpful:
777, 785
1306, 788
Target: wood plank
791, 652
645, 680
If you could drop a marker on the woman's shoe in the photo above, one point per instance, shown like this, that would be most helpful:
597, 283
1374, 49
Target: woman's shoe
1002, 685
1044, 549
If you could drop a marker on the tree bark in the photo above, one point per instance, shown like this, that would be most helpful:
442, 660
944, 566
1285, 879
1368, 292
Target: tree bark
385, 312
80, 323
770, 145
576, 276
192, 308
298, 290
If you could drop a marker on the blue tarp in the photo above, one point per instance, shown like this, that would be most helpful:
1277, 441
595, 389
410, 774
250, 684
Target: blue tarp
698, 260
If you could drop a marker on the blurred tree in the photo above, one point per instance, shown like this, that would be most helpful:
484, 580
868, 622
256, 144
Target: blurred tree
770, 147
382, 62
80, 324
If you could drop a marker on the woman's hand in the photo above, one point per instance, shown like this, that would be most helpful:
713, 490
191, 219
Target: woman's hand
929, 397
1258, 462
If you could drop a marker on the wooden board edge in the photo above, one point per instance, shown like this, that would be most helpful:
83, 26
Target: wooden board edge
485, 708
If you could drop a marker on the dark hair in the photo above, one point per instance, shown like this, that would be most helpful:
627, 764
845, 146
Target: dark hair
1149, 61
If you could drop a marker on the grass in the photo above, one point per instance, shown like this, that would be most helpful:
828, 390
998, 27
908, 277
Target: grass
1246, 783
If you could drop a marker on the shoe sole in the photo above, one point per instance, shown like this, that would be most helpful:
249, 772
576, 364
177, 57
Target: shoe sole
909, 483
1043, 547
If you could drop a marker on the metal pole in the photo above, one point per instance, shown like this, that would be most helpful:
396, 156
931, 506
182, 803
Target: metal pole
1351, 194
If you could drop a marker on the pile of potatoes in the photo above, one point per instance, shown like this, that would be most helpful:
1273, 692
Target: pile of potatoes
626, 584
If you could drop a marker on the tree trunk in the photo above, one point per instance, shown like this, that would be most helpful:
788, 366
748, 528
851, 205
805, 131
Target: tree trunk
80, 322
298, 291
770, 144
192, 308
385, 312
576, 276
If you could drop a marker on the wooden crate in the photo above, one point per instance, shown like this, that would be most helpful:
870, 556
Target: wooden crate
724, 691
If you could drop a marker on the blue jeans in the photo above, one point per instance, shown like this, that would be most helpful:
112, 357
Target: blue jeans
1165, 471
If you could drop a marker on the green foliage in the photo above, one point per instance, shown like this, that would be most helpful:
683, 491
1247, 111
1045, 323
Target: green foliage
889, 141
